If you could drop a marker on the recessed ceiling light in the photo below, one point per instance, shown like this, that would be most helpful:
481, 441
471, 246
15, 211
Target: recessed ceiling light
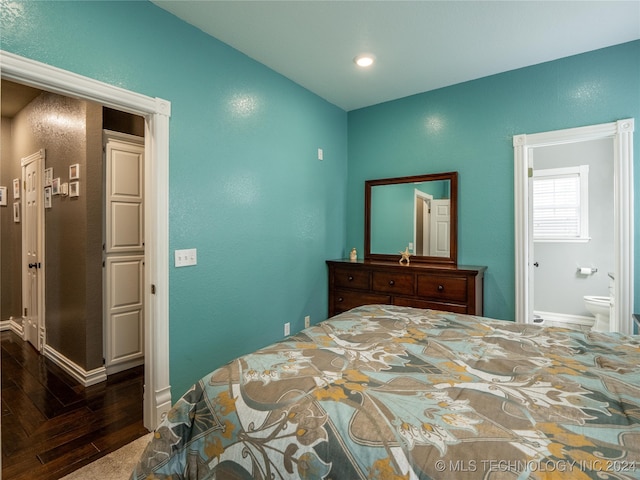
364, 60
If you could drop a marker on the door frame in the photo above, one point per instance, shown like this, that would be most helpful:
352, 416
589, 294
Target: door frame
156, 112
419, 195
39, 158
622, 134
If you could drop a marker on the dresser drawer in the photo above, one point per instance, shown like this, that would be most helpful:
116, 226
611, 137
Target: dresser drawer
443, 287
344, 300
417, 303
395, 283
351, 278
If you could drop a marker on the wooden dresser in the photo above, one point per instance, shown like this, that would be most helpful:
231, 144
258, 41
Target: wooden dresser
456, 289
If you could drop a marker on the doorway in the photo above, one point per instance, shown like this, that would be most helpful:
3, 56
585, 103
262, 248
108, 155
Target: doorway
621, 135
573, 244
33, 250
156, 112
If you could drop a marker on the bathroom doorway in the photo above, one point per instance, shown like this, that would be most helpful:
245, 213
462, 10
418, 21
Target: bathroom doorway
525, 147
573, 241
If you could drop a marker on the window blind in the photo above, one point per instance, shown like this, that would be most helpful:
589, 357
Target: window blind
556, 206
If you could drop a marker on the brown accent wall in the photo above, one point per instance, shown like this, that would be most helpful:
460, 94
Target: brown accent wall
10, 234
70, 131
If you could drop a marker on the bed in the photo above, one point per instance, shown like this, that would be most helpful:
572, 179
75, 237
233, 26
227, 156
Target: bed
386, 392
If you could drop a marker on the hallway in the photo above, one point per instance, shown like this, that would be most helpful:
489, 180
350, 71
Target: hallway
51, 425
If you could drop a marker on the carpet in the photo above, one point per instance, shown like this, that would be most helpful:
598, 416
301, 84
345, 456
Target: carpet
117, 465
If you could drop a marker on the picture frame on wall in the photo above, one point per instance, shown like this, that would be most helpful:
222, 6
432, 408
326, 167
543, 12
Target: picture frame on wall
74, 189
3, 196
74, 171
55, 186
47, 197
48, 176
16, 188
16, 212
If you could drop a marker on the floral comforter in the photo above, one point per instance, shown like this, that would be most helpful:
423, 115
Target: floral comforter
384, 392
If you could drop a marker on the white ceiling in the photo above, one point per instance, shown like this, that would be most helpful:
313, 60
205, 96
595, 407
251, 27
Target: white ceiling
419, 45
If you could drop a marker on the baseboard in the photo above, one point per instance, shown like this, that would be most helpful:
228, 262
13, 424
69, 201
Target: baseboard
163, 404
12, 325
119, 367
566, 318
86, 378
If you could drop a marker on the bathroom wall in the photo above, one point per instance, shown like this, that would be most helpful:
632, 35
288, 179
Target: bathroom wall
558, 286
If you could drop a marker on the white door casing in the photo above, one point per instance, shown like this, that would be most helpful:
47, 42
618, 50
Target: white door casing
622, 134
124, 252
421, 223
32, 218
156, 112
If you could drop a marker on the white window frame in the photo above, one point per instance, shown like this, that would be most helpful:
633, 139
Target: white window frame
582, 172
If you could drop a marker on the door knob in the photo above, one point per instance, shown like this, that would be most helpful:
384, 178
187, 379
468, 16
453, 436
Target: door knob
536, 264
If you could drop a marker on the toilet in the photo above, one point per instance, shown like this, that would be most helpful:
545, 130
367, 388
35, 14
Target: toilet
599, 307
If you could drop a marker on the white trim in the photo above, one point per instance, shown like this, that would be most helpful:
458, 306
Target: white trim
119, 367
86, 378
622, 134
156, 111
418, 194
566, 318
12, 325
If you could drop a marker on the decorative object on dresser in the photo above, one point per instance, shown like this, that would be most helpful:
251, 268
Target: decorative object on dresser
420, 211
404, 256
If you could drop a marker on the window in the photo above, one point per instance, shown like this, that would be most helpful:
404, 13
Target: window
561, 204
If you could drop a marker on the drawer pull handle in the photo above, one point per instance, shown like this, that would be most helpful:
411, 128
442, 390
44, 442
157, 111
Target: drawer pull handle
340, 299
350, 278
392, 283
441, 288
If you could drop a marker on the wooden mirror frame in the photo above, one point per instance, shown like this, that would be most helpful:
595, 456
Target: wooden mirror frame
452, 259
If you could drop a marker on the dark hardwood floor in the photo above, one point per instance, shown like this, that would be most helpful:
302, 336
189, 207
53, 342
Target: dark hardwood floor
51, 425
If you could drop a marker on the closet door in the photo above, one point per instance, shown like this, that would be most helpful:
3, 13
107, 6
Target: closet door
124, 252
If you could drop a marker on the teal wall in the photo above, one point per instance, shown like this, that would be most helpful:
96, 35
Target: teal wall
246, 187
469, 128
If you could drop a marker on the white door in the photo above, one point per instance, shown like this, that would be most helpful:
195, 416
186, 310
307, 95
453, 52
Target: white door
440, 221
124, 252
32, 249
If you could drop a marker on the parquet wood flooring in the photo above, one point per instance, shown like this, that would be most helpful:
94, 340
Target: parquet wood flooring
51, 425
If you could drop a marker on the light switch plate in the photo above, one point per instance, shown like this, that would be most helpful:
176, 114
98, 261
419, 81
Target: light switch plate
186, 258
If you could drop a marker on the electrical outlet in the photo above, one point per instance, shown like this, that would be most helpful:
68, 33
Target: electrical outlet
287, 329
307, 321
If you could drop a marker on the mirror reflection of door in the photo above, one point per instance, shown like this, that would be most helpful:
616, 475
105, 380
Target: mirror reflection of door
432, 225
439, 230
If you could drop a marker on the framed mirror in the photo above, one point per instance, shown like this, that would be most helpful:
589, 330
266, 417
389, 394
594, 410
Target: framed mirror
418, 212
